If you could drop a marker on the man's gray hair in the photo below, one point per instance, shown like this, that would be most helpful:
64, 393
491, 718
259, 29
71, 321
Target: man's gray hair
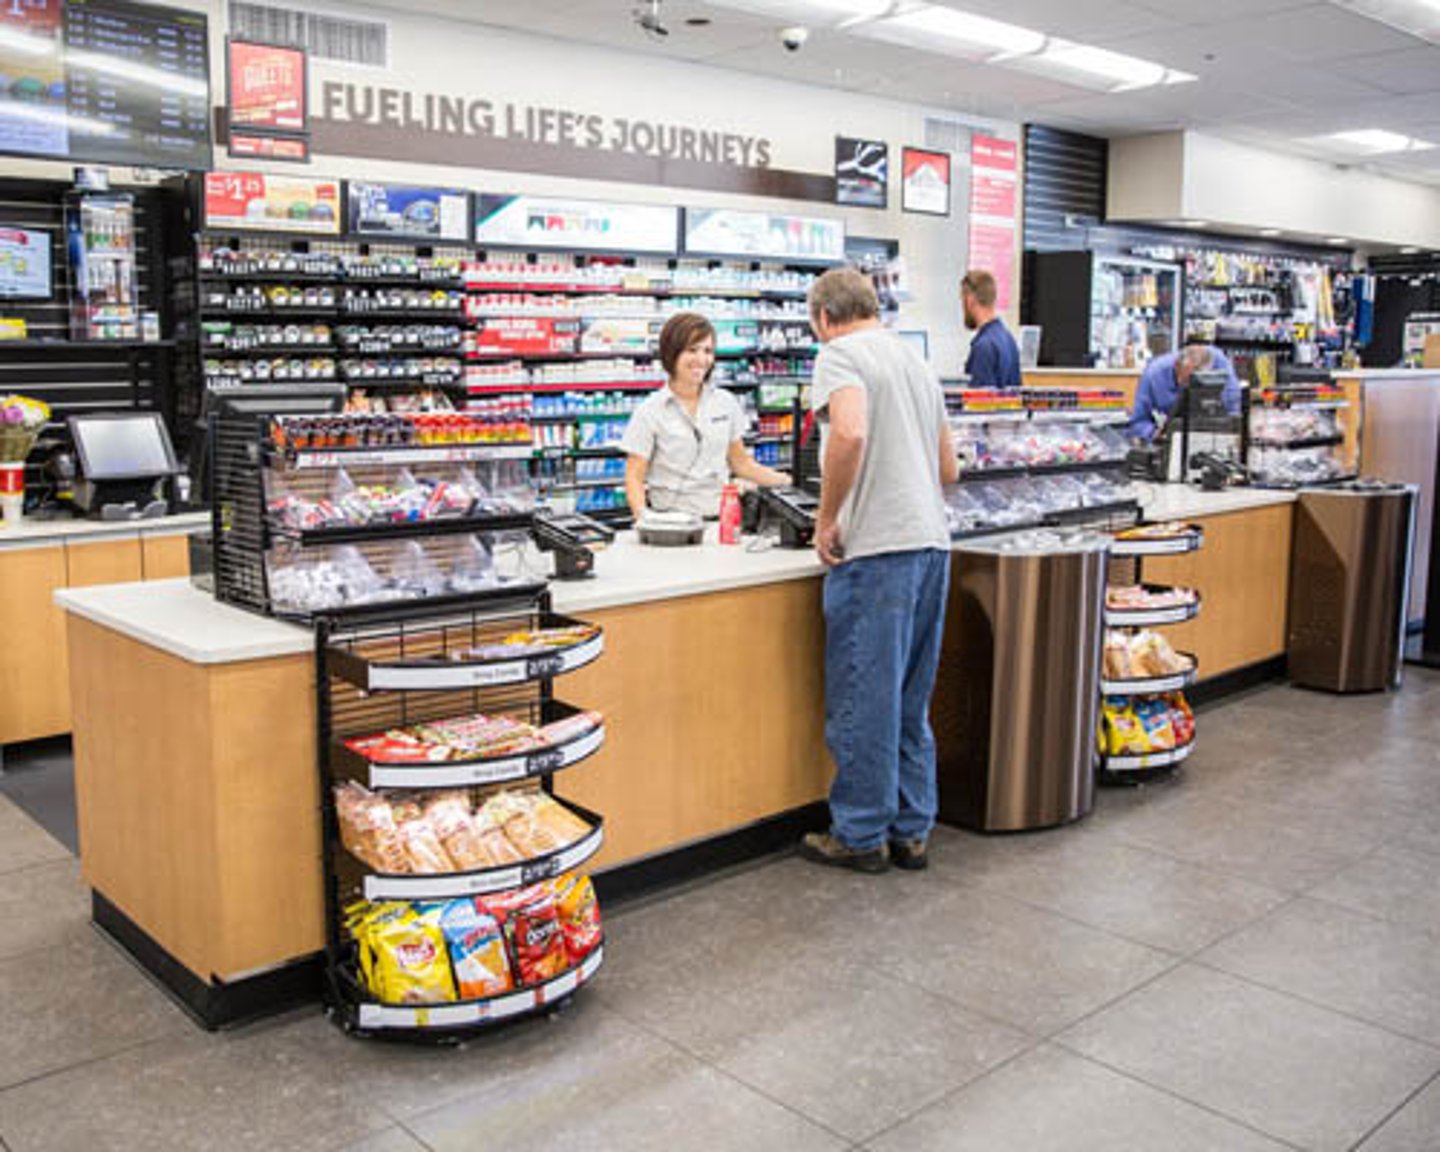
1198, 356
844, 296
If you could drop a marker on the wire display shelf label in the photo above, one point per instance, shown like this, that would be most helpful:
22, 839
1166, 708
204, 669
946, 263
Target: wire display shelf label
463, 774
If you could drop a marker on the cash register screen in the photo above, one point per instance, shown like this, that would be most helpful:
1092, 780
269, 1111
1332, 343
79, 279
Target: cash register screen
130, 447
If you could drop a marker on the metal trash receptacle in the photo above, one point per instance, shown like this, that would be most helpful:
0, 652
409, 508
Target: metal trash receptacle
1016, 699
1350, 586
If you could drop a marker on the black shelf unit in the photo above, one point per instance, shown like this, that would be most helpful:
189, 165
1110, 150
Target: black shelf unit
377, 670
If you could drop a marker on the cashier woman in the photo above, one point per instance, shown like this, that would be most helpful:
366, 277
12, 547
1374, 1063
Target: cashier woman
683, 444
1158, 393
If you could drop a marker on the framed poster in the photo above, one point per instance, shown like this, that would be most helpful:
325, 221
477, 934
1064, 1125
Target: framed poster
862, 172
255, 202
722, 232
925, 182
266, 88
410, 212
578, 225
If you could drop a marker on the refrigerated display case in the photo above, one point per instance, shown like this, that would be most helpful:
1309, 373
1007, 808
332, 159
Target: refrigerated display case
105, 299
1099, 311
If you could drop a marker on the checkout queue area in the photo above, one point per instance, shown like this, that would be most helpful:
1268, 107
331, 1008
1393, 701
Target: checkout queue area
414, 624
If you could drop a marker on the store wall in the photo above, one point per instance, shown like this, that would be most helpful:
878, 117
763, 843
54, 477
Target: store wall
1239, 186
436, 56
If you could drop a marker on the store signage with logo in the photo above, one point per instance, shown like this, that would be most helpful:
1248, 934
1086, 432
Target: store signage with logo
925, 182
862, 172
267, 88
722, 232
411, 212
993, 192
584, 225
256, 202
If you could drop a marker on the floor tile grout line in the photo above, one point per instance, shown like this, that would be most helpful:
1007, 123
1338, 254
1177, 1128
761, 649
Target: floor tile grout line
1174, 1095
1298, 998
414, 1136
1180, 962
1373, 917
1410, 1099
85, 1063
1290, 899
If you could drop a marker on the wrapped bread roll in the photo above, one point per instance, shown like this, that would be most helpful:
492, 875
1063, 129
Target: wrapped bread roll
449, 815
368, 829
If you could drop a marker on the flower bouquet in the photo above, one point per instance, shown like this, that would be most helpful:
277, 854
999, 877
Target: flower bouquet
21, 420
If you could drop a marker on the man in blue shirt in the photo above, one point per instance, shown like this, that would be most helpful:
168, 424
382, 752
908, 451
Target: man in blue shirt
1159, 390
994, 360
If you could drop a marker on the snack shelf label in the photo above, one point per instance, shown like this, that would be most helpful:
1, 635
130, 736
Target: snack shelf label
480, 1011
443, 887
1151, 685
1140, 762
1146, 617
400, 678
1161, 546
420, 454
461, 775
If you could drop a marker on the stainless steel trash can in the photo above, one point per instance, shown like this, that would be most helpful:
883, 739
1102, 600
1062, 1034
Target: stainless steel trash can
1350, 586
1016, 699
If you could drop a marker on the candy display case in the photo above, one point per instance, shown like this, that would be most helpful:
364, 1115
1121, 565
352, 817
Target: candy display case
453, 897
1146, 724
1298, 435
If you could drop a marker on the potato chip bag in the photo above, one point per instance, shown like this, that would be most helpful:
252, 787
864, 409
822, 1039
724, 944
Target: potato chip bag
409, 964
579, 915
533, 933
1154, 717
1122, 732
477, 950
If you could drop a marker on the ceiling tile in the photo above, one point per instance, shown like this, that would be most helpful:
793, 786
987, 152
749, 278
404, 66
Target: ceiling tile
1411, 71
1188, 12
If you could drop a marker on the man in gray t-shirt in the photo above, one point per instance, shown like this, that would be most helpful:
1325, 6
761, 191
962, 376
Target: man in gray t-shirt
881, 531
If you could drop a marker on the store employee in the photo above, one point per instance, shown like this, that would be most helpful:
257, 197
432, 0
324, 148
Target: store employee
994, 360
684, 442
1159, 390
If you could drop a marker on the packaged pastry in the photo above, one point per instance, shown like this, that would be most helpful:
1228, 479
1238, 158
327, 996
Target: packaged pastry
449, 815
424, 851
579, 915
1117, 656
368, 829
477, 950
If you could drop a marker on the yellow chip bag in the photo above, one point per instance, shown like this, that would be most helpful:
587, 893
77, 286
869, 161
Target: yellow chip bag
409, 964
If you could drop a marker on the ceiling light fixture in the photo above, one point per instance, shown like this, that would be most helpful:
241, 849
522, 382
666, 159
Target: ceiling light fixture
1088, 67
1372, 141
954, 33
1271, 233
1409, 250
1338, 241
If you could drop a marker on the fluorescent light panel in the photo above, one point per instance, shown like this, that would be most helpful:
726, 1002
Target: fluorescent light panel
953, 33
1372, 141
1099, 68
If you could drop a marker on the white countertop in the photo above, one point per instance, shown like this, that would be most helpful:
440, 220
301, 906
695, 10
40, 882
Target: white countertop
34, 533
1181, 502
175, 617
1391, 373
1052, 370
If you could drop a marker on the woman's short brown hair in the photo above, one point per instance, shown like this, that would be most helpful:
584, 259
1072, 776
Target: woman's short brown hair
681, 333
844, 296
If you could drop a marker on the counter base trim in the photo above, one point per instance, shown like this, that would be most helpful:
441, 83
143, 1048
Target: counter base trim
219, 1004
1215, 688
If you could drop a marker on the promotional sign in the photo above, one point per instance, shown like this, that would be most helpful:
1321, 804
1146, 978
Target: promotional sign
253, 201
583, 225
411, 212
267, 88
24, 263
524, 336
862, 172
925, 182
247, 146
724, 232
993, 171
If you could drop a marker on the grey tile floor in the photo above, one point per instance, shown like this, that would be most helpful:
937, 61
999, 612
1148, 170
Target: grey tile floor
1244, 958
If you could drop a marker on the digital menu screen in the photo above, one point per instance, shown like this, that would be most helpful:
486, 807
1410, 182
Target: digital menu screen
104, 81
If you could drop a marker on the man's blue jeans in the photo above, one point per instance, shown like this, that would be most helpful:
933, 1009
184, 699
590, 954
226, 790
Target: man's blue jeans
883, 621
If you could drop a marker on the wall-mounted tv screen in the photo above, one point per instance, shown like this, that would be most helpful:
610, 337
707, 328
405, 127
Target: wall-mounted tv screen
24, 264
105, 82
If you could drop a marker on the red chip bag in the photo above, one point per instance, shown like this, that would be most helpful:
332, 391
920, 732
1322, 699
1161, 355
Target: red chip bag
533, 932
579, 915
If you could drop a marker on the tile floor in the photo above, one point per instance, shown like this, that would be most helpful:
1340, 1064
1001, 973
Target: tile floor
1246, 958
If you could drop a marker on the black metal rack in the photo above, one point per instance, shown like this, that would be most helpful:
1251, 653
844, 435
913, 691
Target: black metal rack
378, 669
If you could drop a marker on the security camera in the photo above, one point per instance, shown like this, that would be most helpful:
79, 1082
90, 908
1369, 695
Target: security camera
794, 38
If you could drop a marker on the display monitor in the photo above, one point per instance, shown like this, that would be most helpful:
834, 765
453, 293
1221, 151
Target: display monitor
106, 82
24, 264
918, 339
277, 400
128, 446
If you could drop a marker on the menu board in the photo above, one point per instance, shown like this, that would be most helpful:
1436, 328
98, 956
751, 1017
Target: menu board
105, 81
24, 263
575, 225
763, 235
414, 213
256, 202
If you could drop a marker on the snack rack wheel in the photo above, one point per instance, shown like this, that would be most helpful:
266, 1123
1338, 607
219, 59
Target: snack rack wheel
387, 667
1126, 568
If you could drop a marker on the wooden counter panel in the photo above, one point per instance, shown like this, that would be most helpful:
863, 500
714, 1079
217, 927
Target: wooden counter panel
34, 681
105, 562
1243, 574
144, 788
164, 557
714, 710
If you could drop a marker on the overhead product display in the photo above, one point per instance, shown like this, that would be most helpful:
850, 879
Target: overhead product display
405, 212
452, 892
575, 225
106, 81
728, 232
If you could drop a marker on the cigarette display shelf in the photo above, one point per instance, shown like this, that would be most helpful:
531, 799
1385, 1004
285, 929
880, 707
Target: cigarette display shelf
1134, 768
219, 351
377, 670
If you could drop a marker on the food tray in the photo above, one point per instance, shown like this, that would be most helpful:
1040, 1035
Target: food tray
1146, 617
1187, 541
478, 770
1153, 685
1144, 761
450, 885
468, 1013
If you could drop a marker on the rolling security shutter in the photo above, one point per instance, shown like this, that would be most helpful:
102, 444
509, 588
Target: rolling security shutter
325, 37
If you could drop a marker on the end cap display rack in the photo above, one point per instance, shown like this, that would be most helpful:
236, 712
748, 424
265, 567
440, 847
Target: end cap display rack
358, 654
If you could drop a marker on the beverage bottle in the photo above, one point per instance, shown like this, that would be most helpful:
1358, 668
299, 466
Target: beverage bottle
729, 515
